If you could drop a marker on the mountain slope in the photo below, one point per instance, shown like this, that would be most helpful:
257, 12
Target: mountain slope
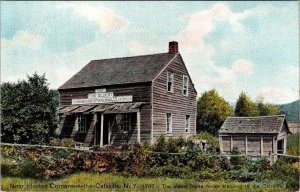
291, 110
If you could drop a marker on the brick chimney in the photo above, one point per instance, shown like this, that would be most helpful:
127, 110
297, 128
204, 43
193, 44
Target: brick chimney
173, 47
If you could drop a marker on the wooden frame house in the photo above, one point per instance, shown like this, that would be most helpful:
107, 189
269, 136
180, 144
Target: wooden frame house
263, 136
128, 100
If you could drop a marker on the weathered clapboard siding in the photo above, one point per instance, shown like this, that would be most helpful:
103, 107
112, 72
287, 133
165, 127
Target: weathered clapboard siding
267, 144
145, 78
261, 136
145, 123
226, 141
141, 92
253, 144
239, 143
175, 103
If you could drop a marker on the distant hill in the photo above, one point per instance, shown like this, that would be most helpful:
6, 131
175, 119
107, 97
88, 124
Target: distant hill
291, 110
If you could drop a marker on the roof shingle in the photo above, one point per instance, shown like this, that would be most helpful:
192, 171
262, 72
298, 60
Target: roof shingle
261, 124
119, 71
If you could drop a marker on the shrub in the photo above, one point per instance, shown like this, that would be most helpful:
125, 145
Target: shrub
9, 168
160, 145
293, 144
286, 172
54, 141
67, 142
169, 145
200, 162
28, 168
237, 162
213, 142
170, 171
260, 165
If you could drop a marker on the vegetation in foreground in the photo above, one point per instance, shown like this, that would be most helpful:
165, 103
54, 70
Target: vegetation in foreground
293, 143
185, 162
109, 182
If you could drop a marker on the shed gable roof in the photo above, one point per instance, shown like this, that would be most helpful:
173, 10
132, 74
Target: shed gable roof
119, 71
262, 124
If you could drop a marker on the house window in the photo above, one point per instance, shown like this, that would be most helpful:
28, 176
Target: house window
187, 123
126, 125
169, 122
185, 87
170, 82
81, 123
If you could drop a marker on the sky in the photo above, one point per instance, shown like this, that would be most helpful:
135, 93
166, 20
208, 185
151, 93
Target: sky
227, 46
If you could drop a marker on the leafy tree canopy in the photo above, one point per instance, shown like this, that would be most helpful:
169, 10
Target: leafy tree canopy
266, 108
212, 112
245, 107
28, 111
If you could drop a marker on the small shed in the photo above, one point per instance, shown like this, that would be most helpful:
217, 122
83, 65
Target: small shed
262, 136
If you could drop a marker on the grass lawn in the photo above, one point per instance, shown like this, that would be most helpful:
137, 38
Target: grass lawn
109, 182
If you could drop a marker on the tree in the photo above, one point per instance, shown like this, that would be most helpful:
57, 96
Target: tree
28, 111
266, 108
245, 107
212, 112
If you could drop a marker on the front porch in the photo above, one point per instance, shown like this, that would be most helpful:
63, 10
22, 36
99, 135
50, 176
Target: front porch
100, 125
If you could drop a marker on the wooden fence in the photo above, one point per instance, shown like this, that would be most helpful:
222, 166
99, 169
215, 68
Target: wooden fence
153, 152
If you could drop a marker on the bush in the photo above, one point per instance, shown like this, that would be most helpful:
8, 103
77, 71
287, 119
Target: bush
169, 145
9, 168
66, 142
213, 142
28, 168
293, 144
260, 165
238, 162
286, 172
170, 171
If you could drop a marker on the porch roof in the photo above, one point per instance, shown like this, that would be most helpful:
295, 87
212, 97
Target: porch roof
67, 109
101, 108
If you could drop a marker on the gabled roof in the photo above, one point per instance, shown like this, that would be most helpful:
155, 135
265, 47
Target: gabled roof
261, 124
119, 71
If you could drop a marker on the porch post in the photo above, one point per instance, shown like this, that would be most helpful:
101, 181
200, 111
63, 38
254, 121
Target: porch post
101, 132
94, 126
138, 119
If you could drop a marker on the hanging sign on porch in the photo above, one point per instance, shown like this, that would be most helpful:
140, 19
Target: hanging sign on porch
116, 99
100, 90
100, 95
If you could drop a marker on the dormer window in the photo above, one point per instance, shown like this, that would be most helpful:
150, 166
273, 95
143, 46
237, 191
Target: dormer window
170, 77
185, 85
